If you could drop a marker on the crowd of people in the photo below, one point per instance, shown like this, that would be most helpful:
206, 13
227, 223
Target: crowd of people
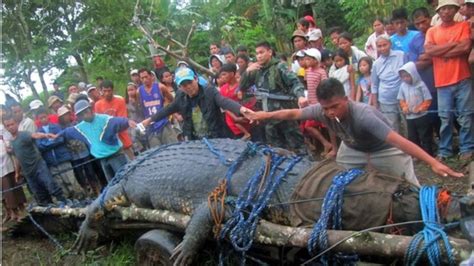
412, 78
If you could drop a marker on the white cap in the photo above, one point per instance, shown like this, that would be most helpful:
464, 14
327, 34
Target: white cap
82, 85
300, 53
314, 35
90, 87
35, 104
134, 72
314, 53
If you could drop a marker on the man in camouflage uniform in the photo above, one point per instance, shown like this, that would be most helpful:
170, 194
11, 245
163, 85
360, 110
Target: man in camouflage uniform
275, 88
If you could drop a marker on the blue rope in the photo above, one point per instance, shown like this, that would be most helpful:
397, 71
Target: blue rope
250, 150
216, 152
426, 241
54, 240
332, 206
240, 228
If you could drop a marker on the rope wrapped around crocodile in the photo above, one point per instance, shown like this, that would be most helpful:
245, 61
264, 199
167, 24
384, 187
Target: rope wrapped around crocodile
179, 177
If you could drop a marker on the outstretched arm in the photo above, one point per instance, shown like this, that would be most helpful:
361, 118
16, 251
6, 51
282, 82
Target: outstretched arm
39, 135
412, 149
285, 114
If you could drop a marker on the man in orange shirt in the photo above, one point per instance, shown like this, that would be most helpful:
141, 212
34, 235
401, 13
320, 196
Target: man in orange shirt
449, 45
113, 105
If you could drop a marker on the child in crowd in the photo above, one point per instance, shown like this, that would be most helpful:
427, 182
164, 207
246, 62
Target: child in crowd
342, 71
370, 45
363, 83
415, 99
57, 157
84, 171
166, 78
314, 74
299, 56
242, 61
13, 197
326, 60
135, 113
29, 160
239, 126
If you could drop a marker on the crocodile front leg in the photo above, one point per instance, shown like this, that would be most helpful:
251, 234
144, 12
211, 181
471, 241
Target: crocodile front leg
198, 230
93, 226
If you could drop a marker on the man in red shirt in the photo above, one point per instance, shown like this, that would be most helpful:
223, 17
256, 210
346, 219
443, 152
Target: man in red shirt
113, 105
449, 45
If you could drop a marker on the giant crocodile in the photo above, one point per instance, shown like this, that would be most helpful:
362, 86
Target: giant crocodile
178, 178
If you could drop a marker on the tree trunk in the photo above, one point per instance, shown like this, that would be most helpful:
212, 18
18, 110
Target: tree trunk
367, 243
30, 83
43, 83
82, 69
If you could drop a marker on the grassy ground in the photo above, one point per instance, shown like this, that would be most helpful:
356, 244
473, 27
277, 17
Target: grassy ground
40, 251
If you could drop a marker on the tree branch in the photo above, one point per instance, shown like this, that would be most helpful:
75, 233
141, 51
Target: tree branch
188, 38
158, 46
184, 47
267, 233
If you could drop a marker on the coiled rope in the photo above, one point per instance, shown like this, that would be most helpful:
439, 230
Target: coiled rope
426, 241
240, 228
331, 207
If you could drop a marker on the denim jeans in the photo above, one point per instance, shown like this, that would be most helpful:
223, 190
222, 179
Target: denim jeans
458, 97
43, 186
111, 165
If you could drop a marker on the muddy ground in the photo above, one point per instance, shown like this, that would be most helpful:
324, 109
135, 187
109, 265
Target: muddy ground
35, 250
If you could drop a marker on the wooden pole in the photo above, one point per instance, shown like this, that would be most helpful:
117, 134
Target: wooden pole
366, 243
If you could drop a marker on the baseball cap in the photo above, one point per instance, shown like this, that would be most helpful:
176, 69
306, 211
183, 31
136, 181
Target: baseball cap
53, 99
469, 1
182, 63
80, 106
310, 19
35, 104
63, 110
314, 53
90, 87
300, 53
182, 74
82, 85
72, 98
134, 72
314, 35
298, 33
326, 54
442, 3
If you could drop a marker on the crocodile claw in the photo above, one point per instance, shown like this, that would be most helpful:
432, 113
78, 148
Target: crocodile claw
181, 256
86, 240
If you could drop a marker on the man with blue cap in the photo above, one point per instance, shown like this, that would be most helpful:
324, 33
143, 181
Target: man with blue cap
200, 107
100, 133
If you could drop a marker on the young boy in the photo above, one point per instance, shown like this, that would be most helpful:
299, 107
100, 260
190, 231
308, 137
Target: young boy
415, 99
34, 168
57, 157
314, 74
230, 89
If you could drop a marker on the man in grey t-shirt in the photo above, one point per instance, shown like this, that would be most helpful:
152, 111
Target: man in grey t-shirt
367, 139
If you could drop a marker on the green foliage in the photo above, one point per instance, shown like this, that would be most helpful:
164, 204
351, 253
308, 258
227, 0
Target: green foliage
97, 36
239, 30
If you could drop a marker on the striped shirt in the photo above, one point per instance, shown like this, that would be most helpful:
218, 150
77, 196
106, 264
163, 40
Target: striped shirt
313, 77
